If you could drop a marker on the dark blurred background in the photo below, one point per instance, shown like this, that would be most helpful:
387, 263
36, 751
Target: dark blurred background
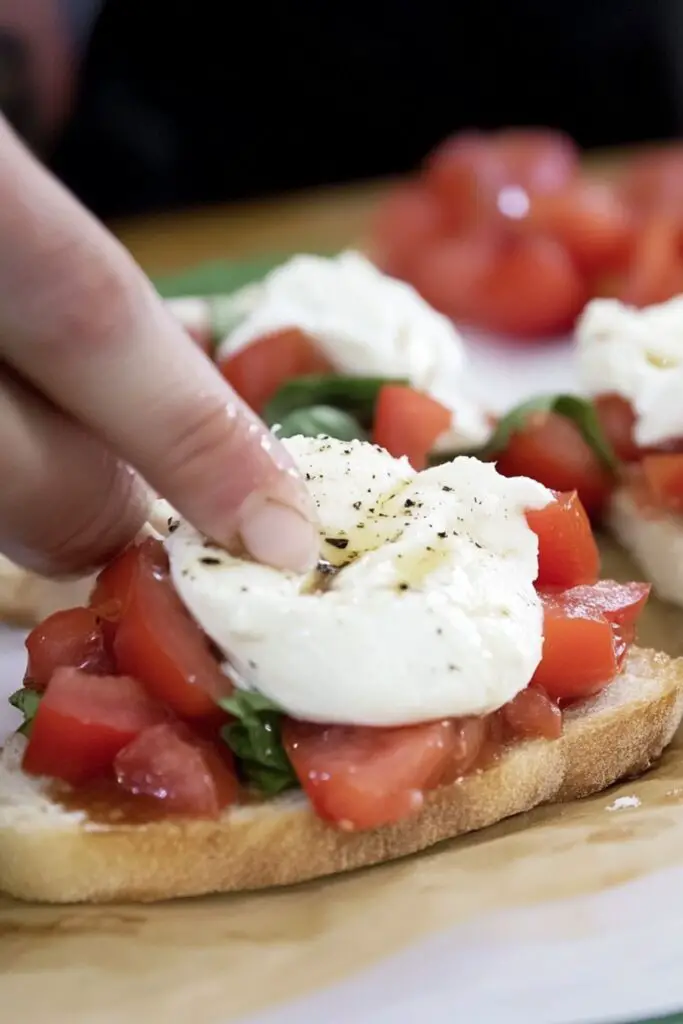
147, 104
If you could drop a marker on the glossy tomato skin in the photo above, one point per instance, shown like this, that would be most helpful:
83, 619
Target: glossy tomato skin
617, 419
466, 175
158, 643
532, 290
260, 369
188, 776
470, 172
653, 182
586, 634
363, 778
579, 657
83, 721
567, 551
551, 449
590, 220
451, 274
655, 272
663, 475
69, 638
114, 584
407, 221
539, 160
408, 422
532, 714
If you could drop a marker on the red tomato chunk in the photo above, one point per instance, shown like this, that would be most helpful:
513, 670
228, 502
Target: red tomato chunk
408, 422
83, 721
567, 551
260, 369
71, 638
167, 763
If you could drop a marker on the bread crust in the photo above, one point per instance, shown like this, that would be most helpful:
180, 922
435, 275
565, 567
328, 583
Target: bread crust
58, 858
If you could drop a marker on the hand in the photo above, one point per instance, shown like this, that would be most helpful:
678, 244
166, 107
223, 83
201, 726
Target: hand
95, 378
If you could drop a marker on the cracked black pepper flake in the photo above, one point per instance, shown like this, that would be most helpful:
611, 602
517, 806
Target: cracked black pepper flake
210, 560
446, 488
338, 542
442, 534
172, 524
403, 586
308, 476
357, 505
408, 503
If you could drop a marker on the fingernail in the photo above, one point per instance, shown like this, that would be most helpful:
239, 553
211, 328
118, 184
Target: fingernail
278, 535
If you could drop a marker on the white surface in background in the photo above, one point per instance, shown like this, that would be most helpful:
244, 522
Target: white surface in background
613, 957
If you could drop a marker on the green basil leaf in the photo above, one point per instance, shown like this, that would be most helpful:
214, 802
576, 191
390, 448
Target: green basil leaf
580, 411
255, 740
26, 701
322, 419
355, 395
514, 421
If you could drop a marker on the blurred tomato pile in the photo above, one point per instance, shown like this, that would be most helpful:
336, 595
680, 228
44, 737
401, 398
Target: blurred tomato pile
506, 232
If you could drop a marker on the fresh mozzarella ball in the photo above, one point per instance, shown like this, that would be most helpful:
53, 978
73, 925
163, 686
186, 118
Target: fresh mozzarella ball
422, 606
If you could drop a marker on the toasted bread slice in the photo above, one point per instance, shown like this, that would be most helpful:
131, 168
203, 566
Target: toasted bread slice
58, 856
654, 541
26, 598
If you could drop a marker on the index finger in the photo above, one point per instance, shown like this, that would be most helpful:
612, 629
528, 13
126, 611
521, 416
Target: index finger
81, 322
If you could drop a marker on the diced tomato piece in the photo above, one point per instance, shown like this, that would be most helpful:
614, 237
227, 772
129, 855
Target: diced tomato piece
364, 778
70, 638
617, 420
466, 174
589, 219
655, 273
83, 721
158, 643
539, 160
586, 633
579, 657
114, 584
408, 422
168, 763
567, 551
532, 290
620, 603
664, 478
470, 736
451, 274
260, 369
407, 220
551, 449
470, 171
532, 714
654, 181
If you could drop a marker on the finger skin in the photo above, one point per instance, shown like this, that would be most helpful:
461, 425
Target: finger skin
81, 322
66, 504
